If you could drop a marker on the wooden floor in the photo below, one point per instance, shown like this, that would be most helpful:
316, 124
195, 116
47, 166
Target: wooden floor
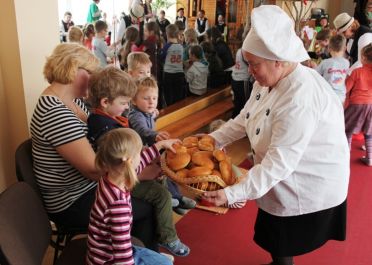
237, 151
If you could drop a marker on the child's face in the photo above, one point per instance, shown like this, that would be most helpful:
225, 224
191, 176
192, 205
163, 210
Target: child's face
117, 106
146, 100
161, 16
192, 57
323, 43
181, 36
141, 71
146, 33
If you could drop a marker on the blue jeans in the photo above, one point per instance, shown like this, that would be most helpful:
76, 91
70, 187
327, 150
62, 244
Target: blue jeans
145, 256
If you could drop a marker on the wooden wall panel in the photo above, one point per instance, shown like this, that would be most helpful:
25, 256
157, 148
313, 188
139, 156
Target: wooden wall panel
210, 10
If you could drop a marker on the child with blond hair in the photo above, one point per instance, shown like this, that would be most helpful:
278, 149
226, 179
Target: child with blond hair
139, 66
75, 34
119, 156
142, 120
110, 91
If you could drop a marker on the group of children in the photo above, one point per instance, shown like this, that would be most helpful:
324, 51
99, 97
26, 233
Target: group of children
352, 84
111, 91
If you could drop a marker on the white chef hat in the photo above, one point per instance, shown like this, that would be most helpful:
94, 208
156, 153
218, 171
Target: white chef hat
272, 36
363, 41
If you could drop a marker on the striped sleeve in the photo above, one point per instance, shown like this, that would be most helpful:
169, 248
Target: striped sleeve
147, 156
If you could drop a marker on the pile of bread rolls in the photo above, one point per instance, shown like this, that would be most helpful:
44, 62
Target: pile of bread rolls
196, 157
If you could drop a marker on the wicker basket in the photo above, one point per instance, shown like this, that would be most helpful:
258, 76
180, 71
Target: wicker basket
193, 184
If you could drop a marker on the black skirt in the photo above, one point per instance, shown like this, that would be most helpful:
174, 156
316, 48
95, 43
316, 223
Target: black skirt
297, 235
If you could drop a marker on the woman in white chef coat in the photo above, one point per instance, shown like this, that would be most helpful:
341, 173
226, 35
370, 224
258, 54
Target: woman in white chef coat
296, 128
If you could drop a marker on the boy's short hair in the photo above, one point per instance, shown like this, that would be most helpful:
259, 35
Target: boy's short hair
67, 13
172, 31
337, 43
110, 82
367, 53
75, 34
137, 58
202, 11
324, 34
180, 25
146, 83
197, 51
162, 12
100, 25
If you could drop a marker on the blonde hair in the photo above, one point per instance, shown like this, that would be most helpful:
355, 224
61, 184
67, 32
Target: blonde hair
137, 58
65, 61
145, 84
75, 34
172, 31
110, 82
116, 150
191, 37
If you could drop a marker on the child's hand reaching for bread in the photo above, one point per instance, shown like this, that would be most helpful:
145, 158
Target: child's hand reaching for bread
162, 135
167, 144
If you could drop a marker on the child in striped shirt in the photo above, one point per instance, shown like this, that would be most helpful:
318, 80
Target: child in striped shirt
109, 241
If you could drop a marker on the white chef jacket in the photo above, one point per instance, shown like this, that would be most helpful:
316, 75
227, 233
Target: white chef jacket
299, 146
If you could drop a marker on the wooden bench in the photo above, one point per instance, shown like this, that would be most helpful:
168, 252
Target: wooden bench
193, 113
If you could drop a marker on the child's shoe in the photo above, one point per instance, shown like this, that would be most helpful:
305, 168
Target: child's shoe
187, 203
175, 202
180, 211
177, 248
367, 161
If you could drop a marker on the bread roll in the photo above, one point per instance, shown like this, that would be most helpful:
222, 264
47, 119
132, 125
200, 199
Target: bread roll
226, 172
207, 138
216, 173
199, 171
190, 141
183, 173
177, 161
179, 148
192, 150
203, 158
205, 145
219, 155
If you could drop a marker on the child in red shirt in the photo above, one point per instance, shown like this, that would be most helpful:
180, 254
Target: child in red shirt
358, 114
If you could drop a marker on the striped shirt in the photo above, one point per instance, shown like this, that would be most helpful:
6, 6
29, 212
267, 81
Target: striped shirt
109, 240
53, 125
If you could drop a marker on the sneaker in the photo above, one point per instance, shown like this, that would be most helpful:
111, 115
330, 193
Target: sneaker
175, 202
180, 211
187, 203
367, 161
177, 248
170, 257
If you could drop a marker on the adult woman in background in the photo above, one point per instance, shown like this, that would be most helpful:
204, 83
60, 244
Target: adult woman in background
63, 157
351, 29
296, 128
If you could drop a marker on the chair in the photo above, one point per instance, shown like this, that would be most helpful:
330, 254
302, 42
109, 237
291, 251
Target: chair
25, 172
25, 229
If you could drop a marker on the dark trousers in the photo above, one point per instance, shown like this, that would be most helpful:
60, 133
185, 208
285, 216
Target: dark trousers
173, 87
75, 219
242, 91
